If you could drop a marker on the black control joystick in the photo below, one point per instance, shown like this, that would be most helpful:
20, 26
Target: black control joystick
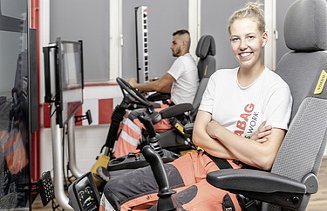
165, 202
153, 137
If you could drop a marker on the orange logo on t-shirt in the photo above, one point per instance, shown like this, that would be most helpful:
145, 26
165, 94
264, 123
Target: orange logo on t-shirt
241, 124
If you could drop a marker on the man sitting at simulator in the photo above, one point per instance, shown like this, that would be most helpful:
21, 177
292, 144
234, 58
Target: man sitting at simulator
181, 81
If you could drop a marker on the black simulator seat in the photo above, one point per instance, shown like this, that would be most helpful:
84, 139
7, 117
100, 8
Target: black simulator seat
206, 51
293, 177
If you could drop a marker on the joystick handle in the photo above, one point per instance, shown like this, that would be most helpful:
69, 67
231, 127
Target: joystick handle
165, 201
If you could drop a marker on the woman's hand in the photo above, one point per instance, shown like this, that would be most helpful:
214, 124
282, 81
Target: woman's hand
261, 134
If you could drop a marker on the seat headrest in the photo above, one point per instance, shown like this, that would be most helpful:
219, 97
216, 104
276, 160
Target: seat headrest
206, 46
305, 27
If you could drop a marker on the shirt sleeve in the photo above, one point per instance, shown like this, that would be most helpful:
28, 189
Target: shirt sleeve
278, 110
177, 68
208, 98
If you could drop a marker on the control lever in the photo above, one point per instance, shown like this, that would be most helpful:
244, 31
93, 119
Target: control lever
153, 138
146, 121
165, 201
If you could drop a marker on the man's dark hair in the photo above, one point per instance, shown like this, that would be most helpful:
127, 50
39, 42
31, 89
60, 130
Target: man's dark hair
181, 32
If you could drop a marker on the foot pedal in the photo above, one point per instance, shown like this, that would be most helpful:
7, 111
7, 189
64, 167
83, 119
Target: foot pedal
46, 188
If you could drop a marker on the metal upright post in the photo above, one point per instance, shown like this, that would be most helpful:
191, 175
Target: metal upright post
72, 150
58, 168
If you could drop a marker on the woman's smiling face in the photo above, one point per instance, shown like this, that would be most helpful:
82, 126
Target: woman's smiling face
246, 42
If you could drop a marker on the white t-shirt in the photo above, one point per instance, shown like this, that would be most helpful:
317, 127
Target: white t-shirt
243, 109
185, 73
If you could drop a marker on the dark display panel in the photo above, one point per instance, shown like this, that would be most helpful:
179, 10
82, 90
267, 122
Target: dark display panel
70, 61
63, 62
14, 106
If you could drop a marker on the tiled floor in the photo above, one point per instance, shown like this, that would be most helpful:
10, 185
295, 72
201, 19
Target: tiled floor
318, 201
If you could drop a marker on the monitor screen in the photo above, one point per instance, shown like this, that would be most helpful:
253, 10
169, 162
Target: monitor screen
64, 80
15, 106
70, 66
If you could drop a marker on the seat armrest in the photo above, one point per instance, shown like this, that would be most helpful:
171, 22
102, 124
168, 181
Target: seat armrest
176, 110
260, 185
254, 180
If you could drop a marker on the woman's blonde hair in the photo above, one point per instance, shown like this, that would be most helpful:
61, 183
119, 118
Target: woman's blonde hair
251, 10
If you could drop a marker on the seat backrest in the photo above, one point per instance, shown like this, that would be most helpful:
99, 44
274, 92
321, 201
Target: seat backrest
303, 68
205, 50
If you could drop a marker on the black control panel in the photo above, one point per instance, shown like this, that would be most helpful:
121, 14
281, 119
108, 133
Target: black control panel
83, 194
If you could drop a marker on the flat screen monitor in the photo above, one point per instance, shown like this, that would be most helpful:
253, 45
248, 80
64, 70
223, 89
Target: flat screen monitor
64, 80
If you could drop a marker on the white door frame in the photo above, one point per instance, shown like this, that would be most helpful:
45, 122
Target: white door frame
194, 23
270, 48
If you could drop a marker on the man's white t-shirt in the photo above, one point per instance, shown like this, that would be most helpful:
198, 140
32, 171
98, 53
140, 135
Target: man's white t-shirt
243, 109
185, 73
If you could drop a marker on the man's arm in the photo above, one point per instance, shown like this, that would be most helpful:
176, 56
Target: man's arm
163, 84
